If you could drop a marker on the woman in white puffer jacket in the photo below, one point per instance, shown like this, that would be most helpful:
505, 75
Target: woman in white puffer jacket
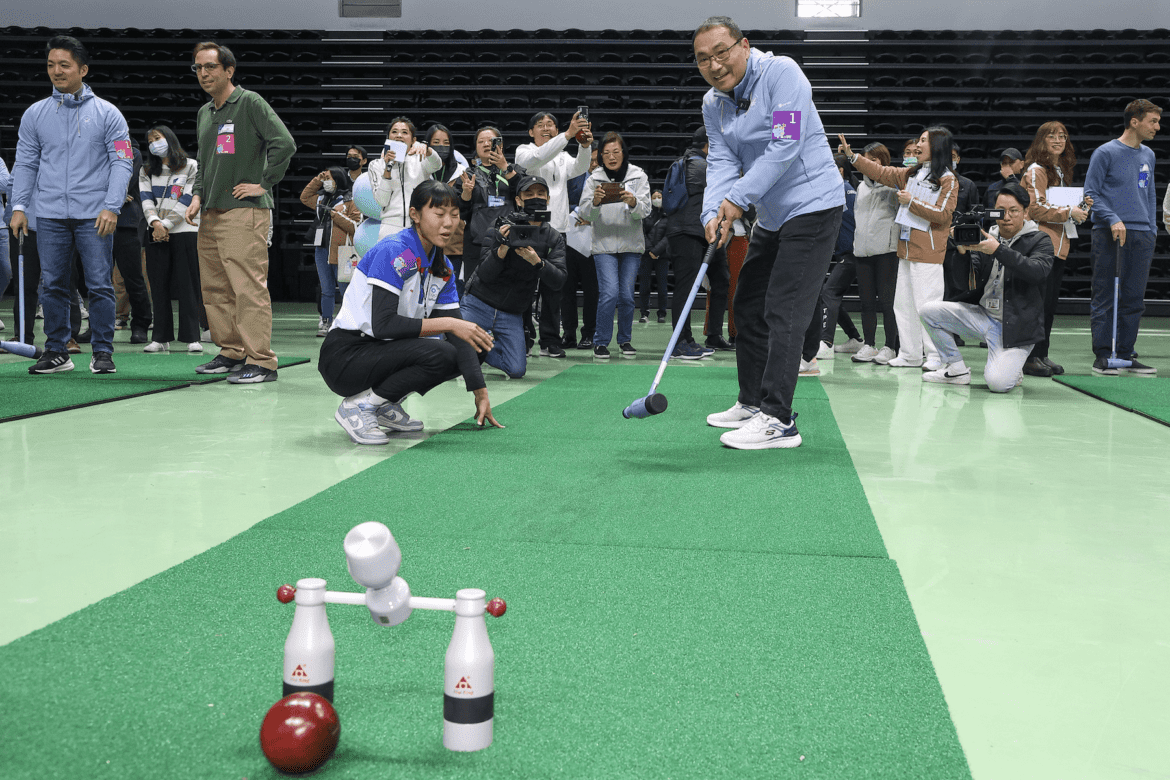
618, 240
394, 180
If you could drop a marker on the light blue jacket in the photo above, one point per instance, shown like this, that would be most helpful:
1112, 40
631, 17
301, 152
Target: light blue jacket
73, 157
778, 143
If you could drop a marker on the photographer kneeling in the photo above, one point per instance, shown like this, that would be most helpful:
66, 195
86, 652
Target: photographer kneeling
386, 342
1010, 266
521, 252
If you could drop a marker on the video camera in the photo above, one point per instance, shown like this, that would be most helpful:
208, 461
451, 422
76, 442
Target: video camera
969, 227
520, 230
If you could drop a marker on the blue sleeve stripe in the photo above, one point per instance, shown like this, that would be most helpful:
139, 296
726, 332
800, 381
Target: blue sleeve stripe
185, 200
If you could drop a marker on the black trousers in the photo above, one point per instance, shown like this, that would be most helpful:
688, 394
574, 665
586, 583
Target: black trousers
777, 292
652, 268
550, 315
877, 278
1051, 295
174, 264
687, 253
128, 258
351, 363
32, 282
579, 272
841, 275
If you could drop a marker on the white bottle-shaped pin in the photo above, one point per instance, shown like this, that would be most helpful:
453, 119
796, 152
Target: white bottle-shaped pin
309, 649
469, 677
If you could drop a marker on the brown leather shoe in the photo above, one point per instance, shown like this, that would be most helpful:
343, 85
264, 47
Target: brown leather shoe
72, 348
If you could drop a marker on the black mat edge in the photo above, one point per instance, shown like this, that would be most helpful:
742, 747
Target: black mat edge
1138, 412
174, 386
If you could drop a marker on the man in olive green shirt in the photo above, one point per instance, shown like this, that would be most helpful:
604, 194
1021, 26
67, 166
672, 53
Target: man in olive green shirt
244, 150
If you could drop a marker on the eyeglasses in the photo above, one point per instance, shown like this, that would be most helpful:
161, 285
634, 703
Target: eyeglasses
720, 56
1056, 137
208, 67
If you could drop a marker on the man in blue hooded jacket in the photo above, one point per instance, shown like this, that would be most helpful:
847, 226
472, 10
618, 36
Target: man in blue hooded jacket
74, 160
767, 149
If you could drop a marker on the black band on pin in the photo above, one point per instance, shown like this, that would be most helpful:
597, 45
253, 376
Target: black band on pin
478, 710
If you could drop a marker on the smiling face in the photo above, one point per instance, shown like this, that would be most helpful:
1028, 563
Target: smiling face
721, 59
1147, 127
922, 151
213, 77
400, 131
440, 139
65, 72
543, 131
1055, 142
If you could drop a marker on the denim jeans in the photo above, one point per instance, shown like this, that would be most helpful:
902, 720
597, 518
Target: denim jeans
56, 240
941, 319
5, 265
509, 354
1135, 259
327, 276
616, 275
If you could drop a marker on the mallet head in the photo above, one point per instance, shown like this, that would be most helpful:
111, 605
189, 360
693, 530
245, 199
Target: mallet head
655, 403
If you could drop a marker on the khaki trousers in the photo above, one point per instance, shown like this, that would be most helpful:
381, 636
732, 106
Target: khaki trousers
233, 269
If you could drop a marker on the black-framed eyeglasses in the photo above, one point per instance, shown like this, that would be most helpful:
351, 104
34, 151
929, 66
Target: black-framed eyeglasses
207, 67
720, 56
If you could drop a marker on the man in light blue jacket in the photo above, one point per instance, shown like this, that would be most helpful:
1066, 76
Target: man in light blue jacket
768, 149
74, 160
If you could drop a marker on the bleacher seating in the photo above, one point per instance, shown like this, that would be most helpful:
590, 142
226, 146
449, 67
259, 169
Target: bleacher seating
333, 88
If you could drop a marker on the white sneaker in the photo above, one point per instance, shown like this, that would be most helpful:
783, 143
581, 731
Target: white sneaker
825, 352
195, 348
864, 355
852, 346
763, 432
358, 420
205, 336
1, 324
901, 362
946, 375
884, 356
934, 364
157, 346
735, 417
40, 312
809, 367
323, 328
84, 311
394, 417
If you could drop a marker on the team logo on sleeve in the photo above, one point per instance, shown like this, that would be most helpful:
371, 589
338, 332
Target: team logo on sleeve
785, 125
407, 264
123, 150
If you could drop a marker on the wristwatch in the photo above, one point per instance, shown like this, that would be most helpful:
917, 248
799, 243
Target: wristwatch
510, 169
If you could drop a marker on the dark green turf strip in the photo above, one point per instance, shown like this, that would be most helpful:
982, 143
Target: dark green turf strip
611, 663
26, 395
569, 468
678, 639
18, 402
1147, 396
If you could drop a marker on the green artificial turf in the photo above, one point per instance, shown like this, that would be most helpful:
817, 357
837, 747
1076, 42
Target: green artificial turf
26, 395
672, 629
1147, 396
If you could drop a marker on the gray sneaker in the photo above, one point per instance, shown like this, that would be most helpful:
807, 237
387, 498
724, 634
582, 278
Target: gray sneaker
393, 416
358, 420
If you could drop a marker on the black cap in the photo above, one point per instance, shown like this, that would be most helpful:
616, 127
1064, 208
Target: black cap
528, 181
1011, 152
699, 137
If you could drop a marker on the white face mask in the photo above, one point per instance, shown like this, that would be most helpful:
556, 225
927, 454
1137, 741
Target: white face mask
159, 148
656, 203
329, 186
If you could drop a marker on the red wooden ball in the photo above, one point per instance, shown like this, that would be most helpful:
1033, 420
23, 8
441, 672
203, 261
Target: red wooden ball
300, 733
497, 607
286, 593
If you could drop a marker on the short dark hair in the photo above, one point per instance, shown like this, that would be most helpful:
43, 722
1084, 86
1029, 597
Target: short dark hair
879, 151
842, 162
539, 115
1017, 192
1138, 110
223, 54
712, 22
359, 149
70, 44
401, 120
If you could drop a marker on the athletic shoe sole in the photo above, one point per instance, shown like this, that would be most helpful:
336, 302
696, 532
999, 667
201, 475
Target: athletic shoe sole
782, 443
414, 426
254, 379
383, 439
57, 369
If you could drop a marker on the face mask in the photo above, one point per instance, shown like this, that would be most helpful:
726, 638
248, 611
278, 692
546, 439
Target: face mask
329, 186
656, 203
353, 163
159, 148
533, 205
909, 162
444, 153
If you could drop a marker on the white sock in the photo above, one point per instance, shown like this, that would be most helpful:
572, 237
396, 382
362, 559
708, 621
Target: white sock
366, 397
959, 367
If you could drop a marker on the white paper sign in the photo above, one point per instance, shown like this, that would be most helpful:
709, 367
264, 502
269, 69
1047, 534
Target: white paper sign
1058, 197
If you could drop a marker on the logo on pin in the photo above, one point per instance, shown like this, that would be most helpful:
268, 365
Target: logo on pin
464, 687
300, 675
